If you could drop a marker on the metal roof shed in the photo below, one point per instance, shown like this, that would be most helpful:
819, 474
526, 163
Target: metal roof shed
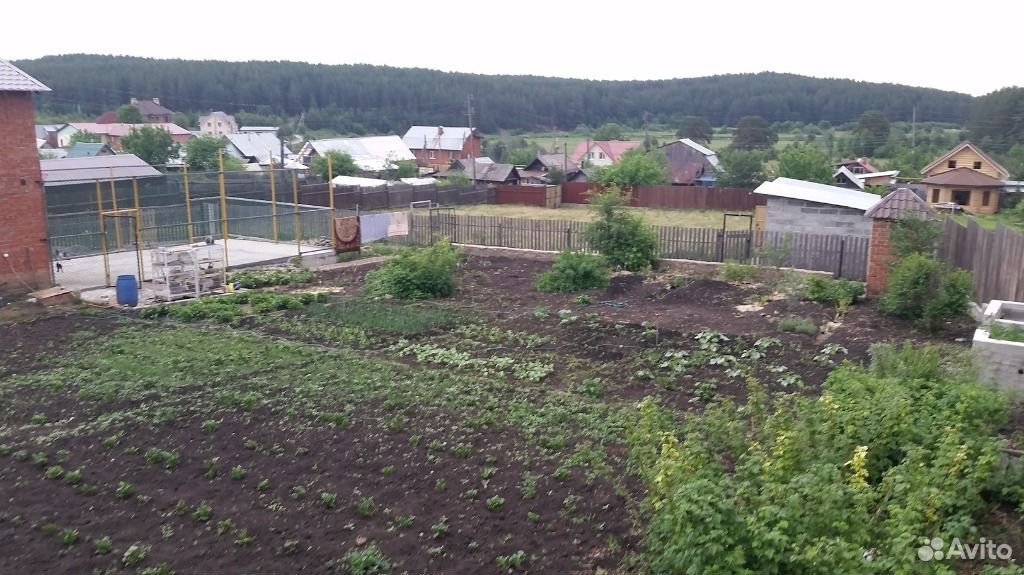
818, 193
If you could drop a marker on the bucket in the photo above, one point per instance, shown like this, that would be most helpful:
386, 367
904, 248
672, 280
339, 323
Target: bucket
127, 291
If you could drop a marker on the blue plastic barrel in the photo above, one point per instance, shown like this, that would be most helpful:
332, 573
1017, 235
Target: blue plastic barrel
127, 291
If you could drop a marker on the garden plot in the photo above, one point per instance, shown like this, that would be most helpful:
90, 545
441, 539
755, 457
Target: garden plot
483, 433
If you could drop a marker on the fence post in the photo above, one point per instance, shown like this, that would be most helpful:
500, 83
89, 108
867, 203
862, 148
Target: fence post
117, 223
103, 233
223, 205
138, 230
500, 239
188, 205
842, 251
298, 219
568, 237
330, 185
273, 195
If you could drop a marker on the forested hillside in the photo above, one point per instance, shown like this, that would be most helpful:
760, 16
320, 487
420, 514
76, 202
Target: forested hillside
364, 98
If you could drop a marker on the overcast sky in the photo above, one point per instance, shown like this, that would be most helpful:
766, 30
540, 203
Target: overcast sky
971, 47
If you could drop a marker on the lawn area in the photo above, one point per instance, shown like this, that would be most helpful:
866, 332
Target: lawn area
990, 221
655, 217
500, 430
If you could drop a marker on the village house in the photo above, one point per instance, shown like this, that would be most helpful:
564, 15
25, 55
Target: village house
111, 134
486, 171
690, 163
151, 110
372, 154
847, 178
536, 172
89, 149
438, 146
23, 239
964, 178
856, 165
217, 124
257, 148
601, 152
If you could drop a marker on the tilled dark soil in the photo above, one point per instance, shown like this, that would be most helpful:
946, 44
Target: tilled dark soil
352, 463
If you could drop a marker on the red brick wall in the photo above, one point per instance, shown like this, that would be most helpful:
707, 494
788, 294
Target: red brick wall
22, 212
879, 257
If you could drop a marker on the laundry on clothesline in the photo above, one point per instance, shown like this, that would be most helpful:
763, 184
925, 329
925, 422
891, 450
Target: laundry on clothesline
398, 224
346, 234
373, 227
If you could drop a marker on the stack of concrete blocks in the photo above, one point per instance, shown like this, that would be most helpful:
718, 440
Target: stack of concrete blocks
1001, 361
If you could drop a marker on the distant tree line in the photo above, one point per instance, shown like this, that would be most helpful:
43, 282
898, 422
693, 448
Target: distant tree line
377, 99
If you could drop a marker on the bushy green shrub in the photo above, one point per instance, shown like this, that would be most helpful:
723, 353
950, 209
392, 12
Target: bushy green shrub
955, 289
620, 235
913, 235
790, 484
574, 271
911, 280
251, 279
797, 324
735, 272
924, 289
416, 273
833, 291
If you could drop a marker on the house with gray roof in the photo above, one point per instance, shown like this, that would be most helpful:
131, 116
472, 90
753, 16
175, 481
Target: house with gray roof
487, 171
437, 147
372, 154
254, 148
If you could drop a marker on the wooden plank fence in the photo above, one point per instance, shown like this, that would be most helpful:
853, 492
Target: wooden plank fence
531, 195
995, 257
673, 197
840, 255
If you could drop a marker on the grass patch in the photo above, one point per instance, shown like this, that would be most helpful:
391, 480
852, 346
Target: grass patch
735, 272
251, 279
798, 325
1006, 332
383, 316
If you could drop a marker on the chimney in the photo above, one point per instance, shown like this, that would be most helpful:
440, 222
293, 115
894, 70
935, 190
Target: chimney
440, 131
156, 101
135, 101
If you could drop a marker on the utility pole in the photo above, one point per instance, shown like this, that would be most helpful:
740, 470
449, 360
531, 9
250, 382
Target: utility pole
469, 114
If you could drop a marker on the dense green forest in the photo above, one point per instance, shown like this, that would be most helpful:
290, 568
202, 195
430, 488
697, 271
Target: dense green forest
374, 99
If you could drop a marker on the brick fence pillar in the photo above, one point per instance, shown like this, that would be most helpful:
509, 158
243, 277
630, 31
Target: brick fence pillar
880, 256
26, 266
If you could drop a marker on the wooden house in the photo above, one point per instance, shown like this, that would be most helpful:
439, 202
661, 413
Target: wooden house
967, 177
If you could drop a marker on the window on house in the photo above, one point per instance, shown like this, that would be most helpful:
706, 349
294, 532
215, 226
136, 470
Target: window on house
986, 197
451, 156
951, 164
431, 155
977, 165
600, 155
935, 195
209, 124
